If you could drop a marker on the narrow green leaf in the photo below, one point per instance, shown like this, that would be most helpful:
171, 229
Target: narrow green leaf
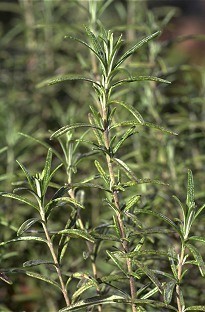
131, 109
197, 256
139, 78
88, 46
199, 211
60, 192
142, 181
149, 273
168, 291
90, 185
126, 123
183, 209
105, 237
190, 191
169, 276
151, 125
28, 176
126, 169
43, 278
21, 199
147, 231
125, 136
95, 42
150, 293
146, 124
5, 278
59, 79
112, 278
93, 301
112, 205
132, 202
135, 48
26, 225
174, 268
116, 261
138, 253
59, 201
86, 285
195, 308
162, 217
155, 304
96, 132
32, 263
102, 172
75, 233
24, 238
65, 129
46, 171
198, 238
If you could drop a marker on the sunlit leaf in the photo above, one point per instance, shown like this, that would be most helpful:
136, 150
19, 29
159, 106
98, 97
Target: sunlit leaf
197, 256
197, 238
151, 125
131, 109
21, 199
64, 78
116, 261
102, 172
86, 285
26, 225
43, 278
95, 42
150, 293
135, 48
132, 202
24, 238
5, 278
139, 78
162, 217
75, 233
65, 129
125, 136
88, 46
28, 176
149, 273
46, 171
195, 308
97, 300
190, 190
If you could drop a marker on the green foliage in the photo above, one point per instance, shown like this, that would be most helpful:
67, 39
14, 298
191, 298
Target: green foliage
93, 214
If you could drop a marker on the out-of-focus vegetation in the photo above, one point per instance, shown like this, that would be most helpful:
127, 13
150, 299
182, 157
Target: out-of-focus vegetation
33, 48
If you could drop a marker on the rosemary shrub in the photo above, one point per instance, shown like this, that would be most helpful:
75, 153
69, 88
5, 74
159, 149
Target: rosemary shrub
122, 270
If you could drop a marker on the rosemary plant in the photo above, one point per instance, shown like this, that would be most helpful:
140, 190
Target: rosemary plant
131, 281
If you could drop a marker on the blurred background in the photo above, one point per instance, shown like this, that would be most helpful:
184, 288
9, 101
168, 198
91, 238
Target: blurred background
33, 48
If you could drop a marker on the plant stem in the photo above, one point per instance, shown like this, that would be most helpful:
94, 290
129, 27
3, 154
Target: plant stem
52, 251
180, 269
89, 245
125, 246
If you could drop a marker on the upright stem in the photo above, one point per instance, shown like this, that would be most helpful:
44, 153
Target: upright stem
125, 246
55, 260
89, 246
178, 287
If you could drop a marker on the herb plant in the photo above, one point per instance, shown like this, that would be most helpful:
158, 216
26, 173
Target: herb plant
115, 263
